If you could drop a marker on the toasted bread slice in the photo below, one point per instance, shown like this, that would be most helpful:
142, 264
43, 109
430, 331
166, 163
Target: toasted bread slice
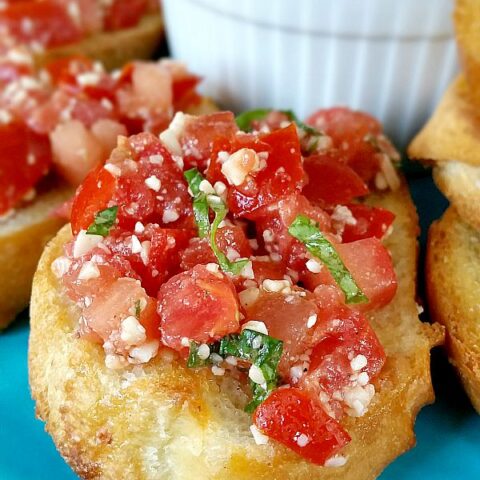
22, 239
453, 286
451, 141
165, 421
115, 48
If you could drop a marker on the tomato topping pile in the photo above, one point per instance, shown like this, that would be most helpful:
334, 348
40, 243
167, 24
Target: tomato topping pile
249, 250
43, 24
68, 117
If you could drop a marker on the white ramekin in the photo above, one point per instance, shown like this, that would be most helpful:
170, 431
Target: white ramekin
392, 58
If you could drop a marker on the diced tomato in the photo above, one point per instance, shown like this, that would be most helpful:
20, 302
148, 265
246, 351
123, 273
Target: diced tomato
116, 302
141, 157
371, 222
352, 133
11, 71
91, 197
282, 176
273, 223
268, 269
159, 258
124, 13
25, 157
45, 22
64, 70
199, 305
371, 266
230, 239
202, 133
330, 181
184, 94
293, 418
286, 318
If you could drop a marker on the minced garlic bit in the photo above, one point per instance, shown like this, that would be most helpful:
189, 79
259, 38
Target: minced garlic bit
88, 271
84, 243
203, 351
277, 286
218, 371
145, 352
303, 440
113, 169
170, 216
311, 320
153, 183
359, 362
60, 266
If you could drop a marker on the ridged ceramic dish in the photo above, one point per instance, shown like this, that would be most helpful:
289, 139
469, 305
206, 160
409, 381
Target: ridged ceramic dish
392, 58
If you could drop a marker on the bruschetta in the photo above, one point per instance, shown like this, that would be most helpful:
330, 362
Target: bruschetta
113, 32
235, 300
57, 124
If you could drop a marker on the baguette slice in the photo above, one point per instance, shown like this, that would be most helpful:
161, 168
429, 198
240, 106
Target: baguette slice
451, 141
115, 48
24, 235
453, 286
164, 421
22, 239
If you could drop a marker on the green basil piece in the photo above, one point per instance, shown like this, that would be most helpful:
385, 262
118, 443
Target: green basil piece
261, 350
103, 222
200, 205
245, 119
305, 230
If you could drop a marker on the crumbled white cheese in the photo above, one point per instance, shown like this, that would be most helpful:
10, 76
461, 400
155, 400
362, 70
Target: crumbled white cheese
185, 342
206, 187
267, 235
256, 375
303, 440
336, 461
113, 169
170, 216
132, 331
171, 136
139, 227
283, 286
343, 215
88, 271
203, 351
114, 362
84, 243
258, 436
256, 326
247, 271
136, 246
311, 320
239, 165
60, 266
218, 371
220, 188
145, 352
359, 362
145, 251
156, 159
88, 78
313, 265
249, 296
153, 183
358, 399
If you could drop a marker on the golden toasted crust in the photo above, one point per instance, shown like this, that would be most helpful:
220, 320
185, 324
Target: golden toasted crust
22, 239
116, 48
163, 421
453, 286
453, 131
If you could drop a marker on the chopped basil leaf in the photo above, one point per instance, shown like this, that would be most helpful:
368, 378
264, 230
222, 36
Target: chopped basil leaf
305, 230
103, 222
226, 265
200, 205
261, 350
194, 361
245, 119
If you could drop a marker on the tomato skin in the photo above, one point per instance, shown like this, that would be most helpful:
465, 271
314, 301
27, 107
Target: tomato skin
282, 176
91, 197
200, 252
331, 181
124, 14
371, 222
288, 413
18, 175
199, 305
50, 24
350, 131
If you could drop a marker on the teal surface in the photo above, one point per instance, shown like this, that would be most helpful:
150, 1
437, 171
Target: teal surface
448, 432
